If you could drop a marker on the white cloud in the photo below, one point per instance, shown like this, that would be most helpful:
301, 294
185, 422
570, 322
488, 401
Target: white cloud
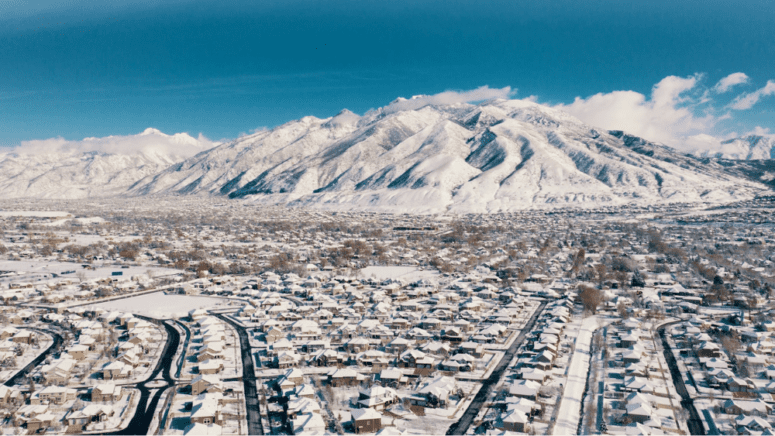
449, 97
728, 82
259, 129
666, 117
150, 142
760, 131
746, 101
700, 142
680, 112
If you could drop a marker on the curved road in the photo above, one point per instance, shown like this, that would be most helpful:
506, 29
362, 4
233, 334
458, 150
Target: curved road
146, 406
248, 378
185, 347
461, 427
687, 402
26, 370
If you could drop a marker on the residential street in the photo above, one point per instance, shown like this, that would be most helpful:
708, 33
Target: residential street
461, 427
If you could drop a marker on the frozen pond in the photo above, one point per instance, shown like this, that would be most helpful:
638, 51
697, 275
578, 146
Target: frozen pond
159, 305
406, 273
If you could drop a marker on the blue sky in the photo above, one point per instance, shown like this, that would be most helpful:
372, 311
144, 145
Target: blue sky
83, 68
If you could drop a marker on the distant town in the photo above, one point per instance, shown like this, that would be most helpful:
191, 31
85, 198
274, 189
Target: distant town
198, 316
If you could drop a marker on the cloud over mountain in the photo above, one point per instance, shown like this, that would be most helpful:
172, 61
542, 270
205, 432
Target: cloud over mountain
747, 101
91, 167
681, 112
449, 97
150, 142
665, 116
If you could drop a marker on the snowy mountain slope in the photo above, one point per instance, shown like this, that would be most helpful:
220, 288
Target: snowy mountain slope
94, 167
250, 159
751, 147
762, 171
497, 156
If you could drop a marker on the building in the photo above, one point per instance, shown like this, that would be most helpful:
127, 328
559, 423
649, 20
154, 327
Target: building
366, 420
205, 383
106, 392
515, 420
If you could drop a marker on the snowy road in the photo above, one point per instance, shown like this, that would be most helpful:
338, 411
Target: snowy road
55, 346
570, 404
481, 397
694, 422
252, 409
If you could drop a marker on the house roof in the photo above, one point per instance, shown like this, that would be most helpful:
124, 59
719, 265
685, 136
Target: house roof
515, 417
363, 414
202, 429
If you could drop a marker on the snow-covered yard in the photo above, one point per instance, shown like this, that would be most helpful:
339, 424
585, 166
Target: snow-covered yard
162, 306
408, 273
44, 271
29, 353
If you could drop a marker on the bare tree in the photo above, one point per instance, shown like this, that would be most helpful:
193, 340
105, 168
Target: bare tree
590, 297
578, 261
731, 343
621, 308
601, 273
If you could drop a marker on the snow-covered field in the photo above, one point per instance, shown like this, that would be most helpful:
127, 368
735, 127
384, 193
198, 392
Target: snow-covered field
33, 214
79, 239
80, 221
160, 305
99, 272
408, 273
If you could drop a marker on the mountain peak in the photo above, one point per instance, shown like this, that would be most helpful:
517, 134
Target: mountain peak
748, 147
344, 117
152, 131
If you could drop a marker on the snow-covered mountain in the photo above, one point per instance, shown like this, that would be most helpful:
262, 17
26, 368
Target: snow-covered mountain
93, 167
749, 147
406, 157
497, 156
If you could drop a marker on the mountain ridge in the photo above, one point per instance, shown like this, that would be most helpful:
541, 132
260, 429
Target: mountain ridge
499, 155
93, 167
749, 147
496, 156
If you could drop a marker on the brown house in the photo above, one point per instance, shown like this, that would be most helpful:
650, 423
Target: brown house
116, 370
516, 421
206, 411
44, 420
366, 420
328, 358
709, 349
344, 377
205, 383
23, 337
106, 392
210, 367
10, 396
53, 394
78, 352
273, 335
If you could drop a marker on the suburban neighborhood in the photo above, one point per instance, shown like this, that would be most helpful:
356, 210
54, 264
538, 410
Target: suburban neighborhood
260, 321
